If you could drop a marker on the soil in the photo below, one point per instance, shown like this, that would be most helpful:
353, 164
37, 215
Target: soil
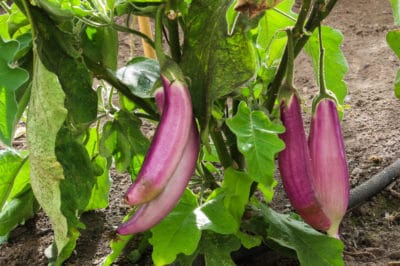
371, 127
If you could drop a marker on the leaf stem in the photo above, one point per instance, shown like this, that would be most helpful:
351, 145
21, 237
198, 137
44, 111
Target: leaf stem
146, 38
4, 5
158, 36
321, 76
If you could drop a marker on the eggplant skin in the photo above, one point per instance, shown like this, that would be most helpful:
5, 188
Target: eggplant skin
328, 156
168, 143
295, 166
151, 213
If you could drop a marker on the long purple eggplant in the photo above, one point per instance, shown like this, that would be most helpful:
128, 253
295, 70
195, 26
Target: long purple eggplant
331, 177
296, 168
151, 213
167, 146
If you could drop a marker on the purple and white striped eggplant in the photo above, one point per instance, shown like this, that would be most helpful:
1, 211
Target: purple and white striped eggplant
151, 213
331, 177
296, 167
168, 143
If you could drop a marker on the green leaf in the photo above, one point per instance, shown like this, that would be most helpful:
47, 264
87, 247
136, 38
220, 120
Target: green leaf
140, 75
217, 248
101, 189
58, 50
312, 247
249, 241
335, 64
397, 85
117, 246
396, 11
46, 114
79, 179
171, 236
4, 27
258, 141
14, 175
214, 216
17, 211
18, 24
11, 78
393, 39
123, 139
216, 63
101, 46
224, 208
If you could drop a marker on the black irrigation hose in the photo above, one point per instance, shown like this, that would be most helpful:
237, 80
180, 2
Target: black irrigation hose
374, 185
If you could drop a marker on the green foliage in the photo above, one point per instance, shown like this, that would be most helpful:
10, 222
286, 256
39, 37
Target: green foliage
50, 53
393, 39
396, 11
46, 110
216, 63
123, 139
11, 78
140, 75
170, 237
312, 247
335, 64
258, 141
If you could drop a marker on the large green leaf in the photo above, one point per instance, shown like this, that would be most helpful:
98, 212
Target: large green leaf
17, 211
177, 233
335, 64
11, 78
396, 11
57, 48
258, 141
223, 210
217, 248
14, 175
393, 39
46, 114
215, 62
123, 139
312, 247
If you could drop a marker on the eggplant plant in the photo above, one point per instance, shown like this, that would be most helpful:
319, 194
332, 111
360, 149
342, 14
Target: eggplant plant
202, 183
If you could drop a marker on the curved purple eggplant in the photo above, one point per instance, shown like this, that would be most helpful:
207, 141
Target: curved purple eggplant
167, 146
151, 213
296, 168
331, 177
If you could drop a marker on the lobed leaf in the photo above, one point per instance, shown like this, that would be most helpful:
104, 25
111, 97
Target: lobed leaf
312, 247
170, 237
258, 141
393, 39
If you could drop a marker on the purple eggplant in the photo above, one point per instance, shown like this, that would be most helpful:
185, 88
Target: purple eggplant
296, 167
168, 143
151, 213
331, 177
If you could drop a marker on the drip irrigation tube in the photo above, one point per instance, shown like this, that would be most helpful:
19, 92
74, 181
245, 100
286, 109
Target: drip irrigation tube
374, 185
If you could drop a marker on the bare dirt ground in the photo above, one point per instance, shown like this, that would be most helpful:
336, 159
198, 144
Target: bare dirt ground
371, 128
